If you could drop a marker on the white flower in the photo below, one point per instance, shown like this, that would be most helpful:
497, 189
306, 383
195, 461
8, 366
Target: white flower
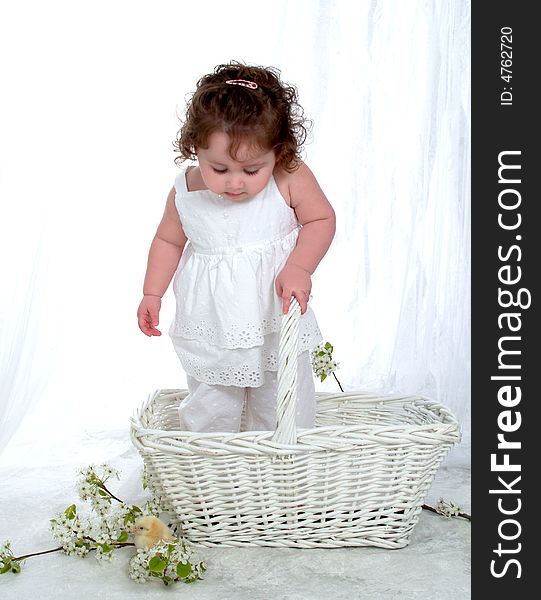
90, 486
171, 553
152, 506
322, 361
448, 509
138, 566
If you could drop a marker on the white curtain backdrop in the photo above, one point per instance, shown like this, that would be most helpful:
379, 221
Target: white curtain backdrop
91, 94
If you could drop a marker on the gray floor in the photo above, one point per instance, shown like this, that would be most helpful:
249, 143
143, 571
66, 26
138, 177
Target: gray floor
37, 479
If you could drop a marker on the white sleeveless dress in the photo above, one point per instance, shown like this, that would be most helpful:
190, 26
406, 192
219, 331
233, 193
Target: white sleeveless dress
228, 314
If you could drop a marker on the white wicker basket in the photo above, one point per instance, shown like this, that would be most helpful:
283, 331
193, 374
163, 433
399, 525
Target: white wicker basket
359, 478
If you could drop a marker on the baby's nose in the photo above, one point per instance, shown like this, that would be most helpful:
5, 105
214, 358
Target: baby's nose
235, 182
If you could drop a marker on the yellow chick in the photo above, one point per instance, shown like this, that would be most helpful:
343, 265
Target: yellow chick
149, 530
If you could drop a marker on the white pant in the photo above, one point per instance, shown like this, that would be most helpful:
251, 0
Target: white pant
219, 407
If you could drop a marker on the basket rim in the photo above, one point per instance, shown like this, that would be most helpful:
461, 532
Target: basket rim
426, 433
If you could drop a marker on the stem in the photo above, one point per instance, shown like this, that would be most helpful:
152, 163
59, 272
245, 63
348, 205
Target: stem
115, 545
36, 553
334, 375
123, 544
110, 494
427, 507
87, 537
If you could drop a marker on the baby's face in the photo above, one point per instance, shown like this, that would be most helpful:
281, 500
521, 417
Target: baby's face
234, 179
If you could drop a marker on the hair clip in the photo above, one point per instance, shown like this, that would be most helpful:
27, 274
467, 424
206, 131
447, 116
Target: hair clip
249, 84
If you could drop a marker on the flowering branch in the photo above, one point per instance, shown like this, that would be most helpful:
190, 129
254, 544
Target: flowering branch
323, 363
448, 509
168, 561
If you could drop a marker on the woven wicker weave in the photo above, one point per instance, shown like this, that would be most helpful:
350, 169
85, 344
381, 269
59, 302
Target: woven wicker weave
359, 478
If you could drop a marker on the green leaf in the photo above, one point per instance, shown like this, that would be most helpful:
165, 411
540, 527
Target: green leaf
184, 569
106, 548
70, 512
323, 376
6, 567
123, 537
156, 564
322, 353
102, 492
132, 515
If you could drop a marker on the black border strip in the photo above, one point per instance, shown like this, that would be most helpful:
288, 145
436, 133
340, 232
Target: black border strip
506, 361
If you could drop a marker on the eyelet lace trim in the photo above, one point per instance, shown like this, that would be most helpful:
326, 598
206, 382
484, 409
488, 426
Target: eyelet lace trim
237, 336
235, 370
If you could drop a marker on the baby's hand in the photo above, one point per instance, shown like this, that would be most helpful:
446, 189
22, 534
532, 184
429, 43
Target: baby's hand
148, 313
294, 281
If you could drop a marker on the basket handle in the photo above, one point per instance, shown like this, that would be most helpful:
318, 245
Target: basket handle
286, 401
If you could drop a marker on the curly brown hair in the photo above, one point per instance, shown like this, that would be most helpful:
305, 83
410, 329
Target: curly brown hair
269, 117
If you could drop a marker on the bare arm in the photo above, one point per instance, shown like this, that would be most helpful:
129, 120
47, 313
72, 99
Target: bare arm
163, 258
165, 250
318, 221
316, 216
